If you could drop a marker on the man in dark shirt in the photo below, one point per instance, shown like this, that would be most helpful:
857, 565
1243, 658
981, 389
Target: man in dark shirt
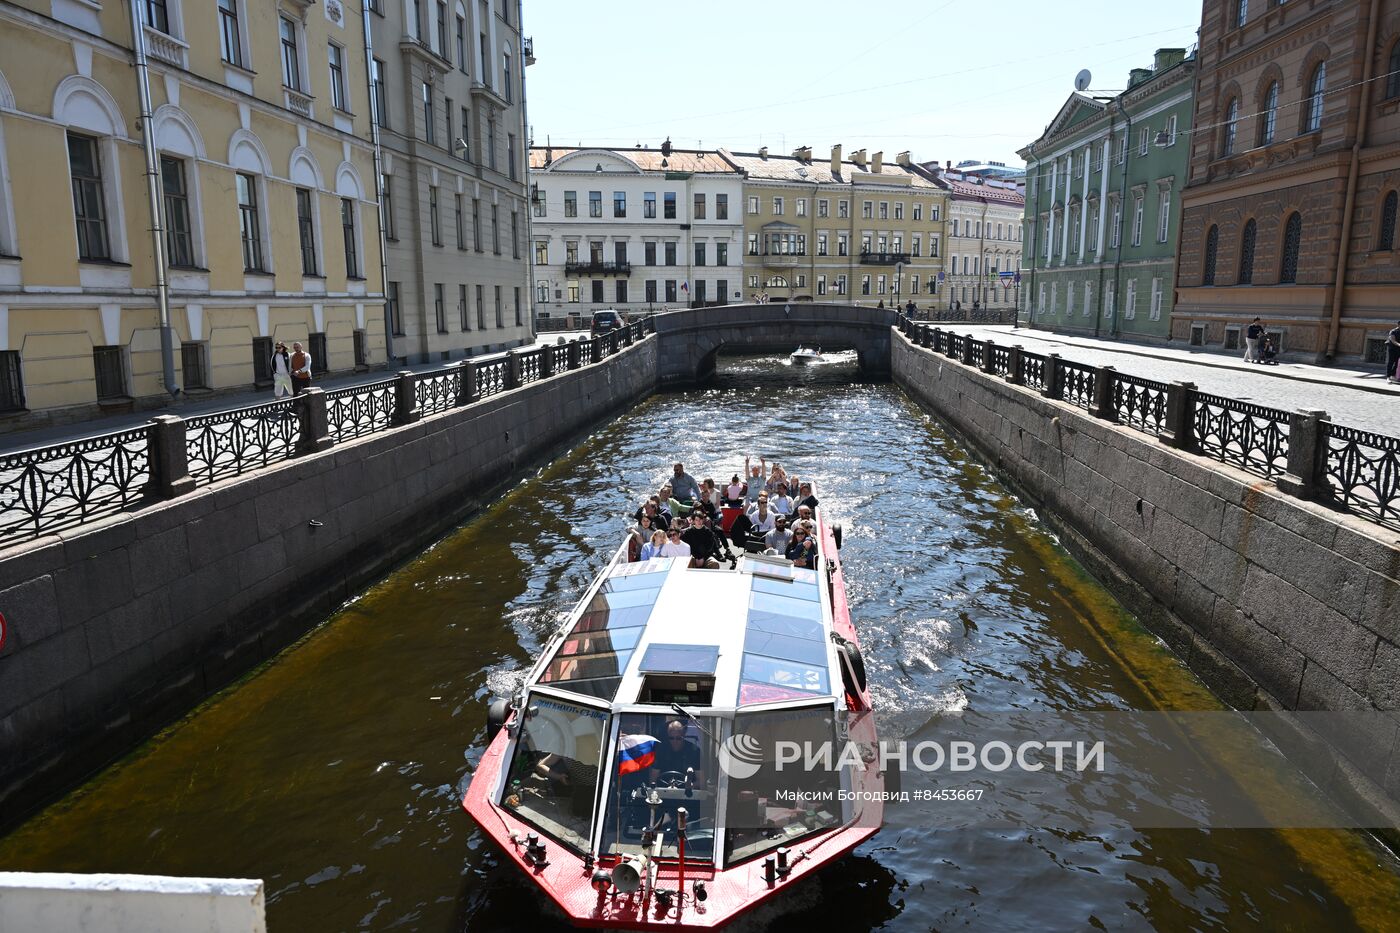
660, 518
1392, 352
676, 754
703, 546
1252, 334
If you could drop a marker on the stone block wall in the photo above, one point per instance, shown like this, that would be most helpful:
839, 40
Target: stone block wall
125, 624
1275, 602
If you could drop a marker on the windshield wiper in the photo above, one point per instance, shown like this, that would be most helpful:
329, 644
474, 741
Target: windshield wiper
693, 718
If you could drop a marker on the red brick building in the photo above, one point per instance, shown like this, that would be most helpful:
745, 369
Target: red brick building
1294, 175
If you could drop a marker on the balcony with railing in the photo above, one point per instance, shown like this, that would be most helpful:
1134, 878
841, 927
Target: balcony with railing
596, 267
868, 258
781, 260
298, 102
165, 47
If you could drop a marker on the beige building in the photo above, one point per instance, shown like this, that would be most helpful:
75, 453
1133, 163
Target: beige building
858, 229
450, 101
260, 119
983, 243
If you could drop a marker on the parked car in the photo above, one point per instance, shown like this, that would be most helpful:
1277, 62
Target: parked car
606, 322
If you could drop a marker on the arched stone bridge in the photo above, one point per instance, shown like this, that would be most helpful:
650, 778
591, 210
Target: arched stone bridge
689, 340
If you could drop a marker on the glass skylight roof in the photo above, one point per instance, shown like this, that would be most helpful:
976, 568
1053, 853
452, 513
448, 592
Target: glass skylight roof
785, 650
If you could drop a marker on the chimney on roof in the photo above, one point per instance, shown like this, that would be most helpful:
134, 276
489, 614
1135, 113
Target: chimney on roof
903, 159
877, 162
1138, 75
763, 152
858, 157
803, 153
836, 159
948, 165
1166, 58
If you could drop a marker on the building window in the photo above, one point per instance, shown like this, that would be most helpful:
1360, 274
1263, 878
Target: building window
109, 368
753, 204
1292, 239
463, 317
865, 284
843, 244
777, 207
821, 244
1143, 135
1241, 12
250, 224
1268, 115
193, 371
1392, 81
336, 57
11, 382
651, 291
1137, 221
649, 204
1117, 229
1313, 109
462, 56
442, 29
291, 60
439, 308
1154, 310
347, 229
179, 238
89, 206
1212, 248
506, 78
519, 312
500, 321
801, 207
670, 254
540, 206
1388, 212
753, 244
429, 131
376, 80
386, 195
899, 210
476, 224
542, 252
595, 204
570, 203
698, 209
510, 155
668, 205
459, 221
867, 209
361, 347
884, 210
843, 209
1164, 207
306, 230
1246, 276
481, 303
496, 229
721, 210
700, 254
1130, 301
230, 40
1232, 120
320, 358
434, 220
395, 309
515, 234
619, 203
155, 14
721, 254
649, 254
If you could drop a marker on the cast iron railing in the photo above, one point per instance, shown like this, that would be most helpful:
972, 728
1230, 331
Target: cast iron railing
1304, 453
59, 486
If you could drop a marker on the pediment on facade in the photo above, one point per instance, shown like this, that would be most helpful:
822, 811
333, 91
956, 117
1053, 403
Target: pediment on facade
590, 160
1076, 109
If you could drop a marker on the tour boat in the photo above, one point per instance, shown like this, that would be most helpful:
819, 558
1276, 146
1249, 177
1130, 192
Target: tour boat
642, 775
805, 355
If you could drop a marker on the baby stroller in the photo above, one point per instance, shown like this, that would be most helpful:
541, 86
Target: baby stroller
1267, 352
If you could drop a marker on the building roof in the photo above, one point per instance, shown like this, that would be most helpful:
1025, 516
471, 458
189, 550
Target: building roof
962, 188
818, 170
648, 160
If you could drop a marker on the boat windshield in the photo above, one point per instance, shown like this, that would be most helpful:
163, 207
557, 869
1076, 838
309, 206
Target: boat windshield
662, 762
553, 778
773, 802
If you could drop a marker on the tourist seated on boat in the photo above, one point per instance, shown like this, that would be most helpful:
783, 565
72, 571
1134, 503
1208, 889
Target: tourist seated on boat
704, 547
761, 515
660, 517
734, 492
804, 514
779, 475
709, 492
677, 755
777, 540
756, 482
645, 526
802, 550
805, 497
674, 546
683, 485
653, 546
780, 501
676, 507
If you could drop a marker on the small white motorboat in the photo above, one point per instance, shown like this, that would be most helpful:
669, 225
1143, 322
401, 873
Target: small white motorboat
805, 355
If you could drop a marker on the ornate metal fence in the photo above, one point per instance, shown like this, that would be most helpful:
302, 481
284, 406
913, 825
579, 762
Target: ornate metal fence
1140, 403
1001, 360
232, 442
438, 392
1251, 437
559, 357
492, 376
360, 410
1363, 471
67, 484
530, 365
1033, 371
1077, 384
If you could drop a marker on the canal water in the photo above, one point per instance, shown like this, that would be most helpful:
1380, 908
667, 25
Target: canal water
334, 773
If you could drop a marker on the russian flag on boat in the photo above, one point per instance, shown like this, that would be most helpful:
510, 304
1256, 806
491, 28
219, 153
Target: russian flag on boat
637, 752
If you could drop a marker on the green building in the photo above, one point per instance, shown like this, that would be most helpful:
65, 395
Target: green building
1103, 204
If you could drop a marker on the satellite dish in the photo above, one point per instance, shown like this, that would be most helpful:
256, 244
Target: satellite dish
1081, 80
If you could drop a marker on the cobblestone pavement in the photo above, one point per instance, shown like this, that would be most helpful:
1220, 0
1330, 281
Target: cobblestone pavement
1280, 387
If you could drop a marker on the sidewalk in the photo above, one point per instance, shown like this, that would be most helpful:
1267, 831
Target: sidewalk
1352, 396
199, 404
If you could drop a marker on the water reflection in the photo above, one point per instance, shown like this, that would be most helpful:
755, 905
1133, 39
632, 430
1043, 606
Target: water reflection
335, 772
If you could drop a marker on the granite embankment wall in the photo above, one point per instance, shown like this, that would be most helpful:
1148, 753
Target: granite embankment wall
1275, 602
125, 624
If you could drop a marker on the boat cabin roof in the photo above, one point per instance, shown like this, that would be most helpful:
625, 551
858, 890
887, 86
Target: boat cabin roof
660, 632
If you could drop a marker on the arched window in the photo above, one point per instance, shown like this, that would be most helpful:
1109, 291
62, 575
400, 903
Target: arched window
1241, 12
1268, 114
1212, 247
1312, 110
1247, 254
1387, 237
1292, 237
1232, 119
1392, 81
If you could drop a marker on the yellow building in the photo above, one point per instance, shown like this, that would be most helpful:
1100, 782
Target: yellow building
260, 118
856, 229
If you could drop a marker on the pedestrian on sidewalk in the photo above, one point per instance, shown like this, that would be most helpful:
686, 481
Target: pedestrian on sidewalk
281, 372
1392, 353
1252, 334
301, 369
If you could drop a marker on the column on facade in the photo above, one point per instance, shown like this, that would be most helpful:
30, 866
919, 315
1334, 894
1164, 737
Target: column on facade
1084, 202
1103, 198
1064, 214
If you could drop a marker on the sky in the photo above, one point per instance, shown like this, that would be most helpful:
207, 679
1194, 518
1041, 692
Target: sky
930, 77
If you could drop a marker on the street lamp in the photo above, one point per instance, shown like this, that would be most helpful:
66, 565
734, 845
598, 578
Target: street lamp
898, 277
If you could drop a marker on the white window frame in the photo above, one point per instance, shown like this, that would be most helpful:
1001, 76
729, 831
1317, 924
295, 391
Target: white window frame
1130, 301
1155, 308
1137, 219
1164, 215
